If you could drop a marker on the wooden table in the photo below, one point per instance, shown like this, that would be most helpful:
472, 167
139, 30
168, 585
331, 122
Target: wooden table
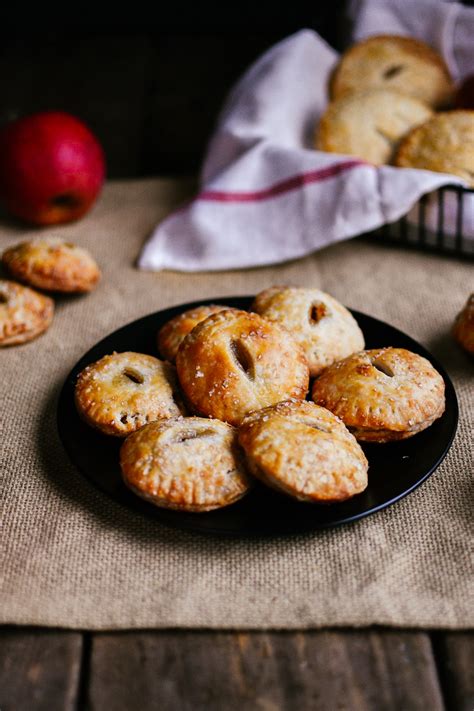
140, 91
327, 670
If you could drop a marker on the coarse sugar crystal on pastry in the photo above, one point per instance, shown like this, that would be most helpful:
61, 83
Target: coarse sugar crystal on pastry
122, 392
404, 64
24, 314
444, 144
305, 451
171, 335
382, 394
235, 362
185, 463
324, 328
52, 264
463, 329
369, 125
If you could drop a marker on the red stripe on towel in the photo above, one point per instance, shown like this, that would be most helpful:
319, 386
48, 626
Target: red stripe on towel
284, 186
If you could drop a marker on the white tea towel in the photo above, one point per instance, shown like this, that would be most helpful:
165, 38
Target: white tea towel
267, 196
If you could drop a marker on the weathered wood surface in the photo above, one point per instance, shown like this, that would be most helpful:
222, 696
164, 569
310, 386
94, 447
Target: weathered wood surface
455, 656
39, 670
311, 670
366, 670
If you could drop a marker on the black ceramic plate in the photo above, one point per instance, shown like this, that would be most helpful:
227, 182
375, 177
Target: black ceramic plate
394, 469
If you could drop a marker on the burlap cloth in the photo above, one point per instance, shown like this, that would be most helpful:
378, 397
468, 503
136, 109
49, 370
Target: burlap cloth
74, 558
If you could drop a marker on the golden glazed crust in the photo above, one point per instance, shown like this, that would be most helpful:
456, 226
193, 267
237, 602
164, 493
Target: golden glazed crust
172, 334
444, 144
323, 327
403, 64
52, 264
304, 451
235, 362
24, 314
124, 391
369, 125
185, 463
383, 394
463, 329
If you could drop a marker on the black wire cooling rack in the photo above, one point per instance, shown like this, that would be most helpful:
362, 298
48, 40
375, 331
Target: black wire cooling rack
437, 223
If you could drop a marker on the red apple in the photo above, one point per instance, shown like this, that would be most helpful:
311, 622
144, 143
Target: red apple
465, 94
51, 168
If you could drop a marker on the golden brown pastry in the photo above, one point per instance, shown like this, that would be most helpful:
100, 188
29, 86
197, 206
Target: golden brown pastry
369, 125
323, 327
171, 335
383, 394
185, 463
305, 451
444, 144
124, 391
235, 362
52, 264
24, 314
463, 329
403, 64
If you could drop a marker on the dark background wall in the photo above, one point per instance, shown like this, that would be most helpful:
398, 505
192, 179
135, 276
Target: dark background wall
150, 85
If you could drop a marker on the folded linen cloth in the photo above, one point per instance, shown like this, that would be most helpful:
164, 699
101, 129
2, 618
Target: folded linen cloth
266, 195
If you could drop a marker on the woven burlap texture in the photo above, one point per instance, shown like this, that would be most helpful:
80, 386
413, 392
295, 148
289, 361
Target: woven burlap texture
71, 557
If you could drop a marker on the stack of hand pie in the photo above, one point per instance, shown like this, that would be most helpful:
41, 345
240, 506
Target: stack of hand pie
49, 264
385, 93
228, 403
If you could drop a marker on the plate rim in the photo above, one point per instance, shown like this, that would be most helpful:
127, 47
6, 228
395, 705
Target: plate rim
174, 522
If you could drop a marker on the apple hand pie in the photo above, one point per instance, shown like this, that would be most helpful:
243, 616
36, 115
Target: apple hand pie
24, 314
172, 334
185, 463
382, 394
304, 451
124, 391
324, 328
235, 362
52, 264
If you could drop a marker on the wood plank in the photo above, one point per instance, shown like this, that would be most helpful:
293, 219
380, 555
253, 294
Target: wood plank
374, 671
455, 656
39, 670
100, 78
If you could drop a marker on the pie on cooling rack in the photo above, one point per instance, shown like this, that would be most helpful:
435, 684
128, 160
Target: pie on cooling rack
444, 144
403, 64
370, 124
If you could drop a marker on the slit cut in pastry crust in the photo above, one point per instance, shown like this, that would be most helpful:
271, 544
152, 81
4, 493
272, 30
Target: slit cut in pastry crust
125, 391
235, 362
383, 394
324, 328
303, 450
403, 64
185, 463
